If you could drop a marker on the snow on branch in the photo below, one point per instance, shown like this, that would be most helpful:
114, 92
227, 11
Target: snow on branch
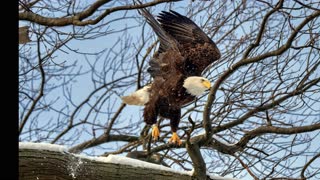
44, 161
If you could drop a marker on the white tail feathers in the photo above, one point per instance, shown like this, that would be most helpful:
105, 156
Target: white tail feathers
138, 98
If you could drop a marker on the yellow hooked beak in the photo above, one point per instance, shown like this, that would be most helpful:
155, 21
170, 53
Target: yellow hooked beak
206, 84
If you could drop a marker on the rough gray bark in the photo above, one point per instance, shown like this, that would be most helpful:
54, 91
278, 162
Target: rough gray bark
43, 164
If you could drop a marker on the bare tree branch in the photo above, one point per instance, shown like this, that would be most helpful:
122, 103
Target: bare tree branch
78, 18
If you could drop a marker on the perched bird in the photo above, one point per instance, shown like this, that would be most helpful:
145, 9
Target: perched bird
185, 51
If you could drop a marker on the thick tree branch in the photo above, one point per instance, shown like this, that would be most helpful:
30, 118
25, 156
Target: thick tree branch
78, 18
199, 165
43, 164
275, 130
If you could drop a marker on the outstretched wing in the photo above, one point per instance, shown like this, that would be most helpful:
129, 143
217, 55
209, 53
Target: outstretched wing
167, 61
199, 50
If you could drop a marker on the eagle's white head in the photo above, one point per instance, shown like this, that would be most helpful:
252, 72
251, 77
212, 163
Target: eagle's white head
196, 85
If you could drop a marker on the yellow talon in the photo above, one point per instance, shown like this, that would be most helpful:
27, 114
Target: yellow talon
175, 139
155, 132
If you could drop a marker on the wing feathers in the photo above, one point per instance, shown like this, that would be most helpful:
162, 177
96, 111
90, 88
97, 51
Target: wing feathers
184, 48
166, 41
182, 28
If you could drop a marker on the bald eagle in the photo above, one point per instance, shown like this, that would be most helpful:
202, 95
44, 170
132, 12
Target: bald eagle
185, 51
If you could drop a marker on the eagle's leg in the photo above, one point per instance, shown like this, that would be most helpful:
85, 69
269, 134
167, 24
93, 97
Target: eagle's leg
155, 132
150, 118
174, 123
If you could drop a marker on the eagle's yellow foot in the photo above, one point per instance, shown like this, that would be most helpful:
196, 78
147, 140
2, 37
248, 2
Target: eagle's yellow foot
155, 132
175, 139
